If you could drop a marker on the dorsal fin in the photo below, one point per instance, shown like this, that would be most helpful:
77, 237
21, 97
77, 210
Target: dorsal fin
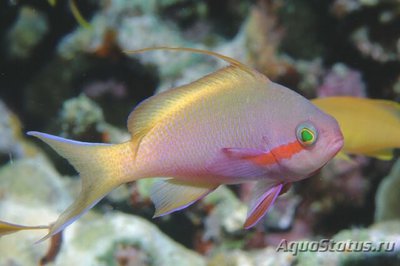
227, 59
158, 107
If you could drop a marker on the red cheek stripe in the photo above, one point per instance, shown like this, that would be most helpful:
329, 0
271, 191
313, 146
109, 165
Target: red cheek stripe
279, 153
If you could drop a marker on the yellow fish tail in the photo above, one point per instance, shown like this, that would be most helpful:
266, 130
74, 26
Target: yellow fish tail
102, 167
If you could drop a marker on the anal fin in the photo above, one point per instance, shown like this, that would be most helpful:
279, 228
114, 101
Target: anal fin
172, 195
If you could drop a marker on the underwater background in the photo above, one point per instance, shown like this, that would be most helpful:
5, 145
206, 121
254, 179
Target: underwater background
63, 71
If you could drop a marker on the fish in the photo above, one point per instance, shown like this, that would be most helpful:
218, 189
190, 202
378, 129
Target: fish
371, 127
10, 228
229, 127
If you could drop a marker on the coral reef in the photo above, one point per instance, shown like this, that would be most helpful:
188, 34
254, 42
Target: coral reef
342, 81
78, 82
35, 195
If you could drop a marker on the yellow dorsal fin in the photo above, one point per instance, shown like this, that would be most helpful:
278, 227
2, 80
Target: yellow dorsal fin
158, 107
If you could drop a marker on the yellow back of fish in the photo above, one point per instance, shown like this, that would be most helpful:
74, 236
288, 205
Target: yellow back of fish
370, 127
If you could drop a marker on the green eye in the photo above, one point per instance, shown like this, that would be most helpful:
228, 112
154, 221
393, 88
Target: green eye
306, 134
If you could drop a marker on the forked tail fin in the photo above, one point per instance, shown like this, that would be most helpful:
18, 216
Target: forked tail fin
102, 167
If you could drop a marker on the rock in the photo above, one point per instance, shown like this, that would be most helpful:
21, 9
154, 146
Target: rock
348, 254
12, 143
33, 193
228, 215
264, 257
97, 240
9, 125
78, 115
27, 31
388, 196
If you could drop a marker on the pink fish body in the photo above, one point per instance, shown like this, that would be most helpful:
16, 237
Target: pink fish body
232, 126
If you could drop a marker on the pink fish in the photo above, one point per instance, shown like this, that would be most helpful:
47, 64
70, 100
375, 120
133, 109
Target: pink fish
229, 127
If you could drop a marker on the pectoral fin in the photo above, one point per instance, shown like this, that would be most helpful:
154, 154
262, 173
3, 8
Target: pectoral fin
243, 162
264, 196
173, 195
343, 156
242, 153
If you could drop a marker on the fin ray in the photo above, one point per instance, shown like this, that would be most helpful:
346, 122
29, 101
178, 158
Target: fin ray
172, 195
263, 198
10, 228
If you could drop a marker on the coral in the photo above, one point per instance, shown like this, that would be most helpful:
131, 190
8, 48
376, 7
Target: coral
311, 73
340, 193
281, 217
131, 19
33, 192
105, 79
79, 83
344, 7
27, 31
82, 118
377, 37
79, 115
103, 237
377, 51
342, 80
263, 257
228, 215
262, 39
12, 143
9, 146
385, 231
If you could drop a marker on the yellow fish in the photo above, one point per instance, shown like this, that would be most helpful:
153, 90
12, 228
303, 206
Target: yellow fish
370, 127
9, 228
231, 126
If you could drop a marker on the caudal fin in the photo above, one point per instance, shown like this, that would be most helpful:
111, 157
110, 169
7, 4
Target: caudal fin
102, 167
